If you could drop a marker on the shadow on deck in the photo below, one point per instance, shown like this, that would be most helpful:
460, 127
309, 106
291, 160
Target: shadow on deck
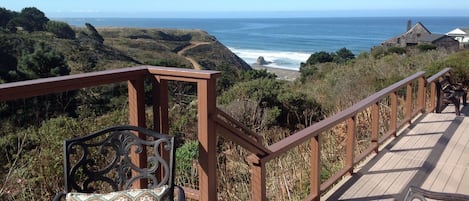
432, 154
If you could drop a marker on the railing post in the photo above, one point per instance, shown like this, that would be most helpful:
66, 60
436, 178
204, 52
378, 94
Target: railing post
315, 183
421, 94
160, 113
393, 123
433, 95
258, 181
408, 105
136, 93
350, 146
375, 126
160, 105
206, 96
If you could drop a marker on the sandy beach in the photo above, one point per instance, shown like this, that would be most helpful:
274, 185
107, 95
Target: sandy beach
283, 74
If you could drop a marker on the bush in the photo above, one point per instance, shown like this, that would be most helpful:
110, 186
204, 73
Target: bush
31, 19
60, 29
426, 47
186, 170
343, 55
397, 50
377, 52
306, 72
320, 57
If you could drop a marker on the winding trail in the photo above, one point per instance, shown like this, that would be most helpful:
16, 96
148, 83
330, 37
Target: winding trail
194, 63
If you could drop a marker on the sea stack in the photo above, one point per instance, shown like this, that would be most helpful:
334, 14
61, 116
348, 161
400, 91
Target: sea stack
261, 61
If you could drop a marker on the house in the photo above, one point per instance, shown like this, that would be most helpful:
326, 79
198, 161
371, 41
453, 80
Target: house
461, 35
409, 38
440, 41
419, 34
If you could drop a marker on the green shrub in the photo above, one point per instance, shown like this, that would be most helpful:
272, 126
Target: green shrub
397, 50
377, 52
307, 71
186, 168
320, 57
426, 47
60, 29
343, 55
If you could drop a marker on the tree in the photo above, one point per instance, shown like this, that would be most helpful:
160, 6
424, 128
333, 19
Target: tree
93, 33
43, 62
31, 19
8, 60
5, 17
320, 57
60, 29
343, 55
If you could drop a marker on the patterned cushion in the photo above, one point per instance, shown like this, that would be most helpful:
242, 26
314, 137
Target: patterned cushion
127, 195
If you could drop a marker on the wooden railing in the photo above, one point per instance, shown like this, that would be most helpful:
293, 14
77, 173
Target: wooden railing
258, 160
135, 77
213, 121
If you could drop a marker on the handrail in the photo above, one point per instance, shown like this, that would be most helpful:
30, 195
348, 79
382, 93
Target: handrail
230, 119
349, 115
37, 87
242, 136
438, 75
312, 131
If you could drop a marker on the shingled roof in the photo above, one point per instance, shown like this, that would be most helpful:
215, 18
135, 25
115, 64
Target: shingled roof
431, 38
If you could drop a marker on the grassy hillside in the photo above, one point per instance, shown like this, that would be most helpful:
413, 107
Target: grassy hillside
124, 47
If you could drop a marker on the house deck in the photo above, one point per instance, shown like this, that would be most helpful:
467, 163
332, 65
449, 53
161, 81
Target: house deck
433, 154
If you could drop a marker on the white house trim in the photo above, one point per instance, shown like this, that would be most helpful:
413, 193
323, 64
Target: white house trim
460, 34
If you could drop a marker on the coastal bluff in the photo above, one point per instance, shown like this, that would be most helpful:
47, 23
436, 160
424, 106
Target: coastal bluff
172, 47
90, 49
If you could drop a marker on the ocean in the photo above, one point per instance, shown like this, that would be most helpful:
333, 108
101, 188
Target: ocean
286, 42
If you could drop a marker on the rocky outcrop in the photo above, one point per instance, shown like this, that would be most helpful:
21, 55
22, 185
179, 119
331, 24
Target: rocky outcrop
261, 61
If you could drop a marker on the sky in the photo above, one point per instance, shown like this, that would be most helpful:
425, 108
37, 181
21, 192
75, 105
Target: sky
242, 8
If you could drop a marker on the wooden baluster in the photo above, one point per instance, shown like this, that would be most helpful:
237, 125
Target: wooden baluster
350, 146
315, 183
375, 126
393, 123
258, 181
421, 94
408, 105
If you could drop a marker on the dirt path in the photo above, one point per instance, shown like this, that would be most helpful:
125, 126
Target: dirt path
194, 63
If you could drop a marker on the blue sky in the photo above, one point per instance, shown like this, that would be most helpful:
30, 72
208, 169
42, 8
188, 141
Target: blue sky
242, 8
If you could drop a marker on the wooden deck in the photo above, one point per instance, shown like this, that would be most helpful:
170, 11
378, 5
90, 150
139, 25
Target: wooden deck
433, 154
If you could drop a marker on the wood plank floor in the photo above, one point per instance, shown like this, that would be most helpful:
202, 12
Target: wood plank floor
433, 154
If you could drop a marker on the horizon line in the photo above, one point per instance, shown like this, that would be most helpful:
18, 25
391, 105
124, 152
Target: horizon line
265, 14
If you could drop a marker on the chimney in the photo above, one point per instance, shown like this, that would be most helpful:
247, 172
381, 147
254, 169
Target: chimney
409, 25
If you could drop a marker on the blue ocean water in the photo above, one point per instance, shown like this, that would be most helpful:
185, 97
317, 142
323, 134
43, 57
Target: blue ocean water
287, 42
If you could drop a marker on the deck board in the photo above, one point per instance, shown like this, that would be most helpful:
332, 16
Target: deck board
433, 154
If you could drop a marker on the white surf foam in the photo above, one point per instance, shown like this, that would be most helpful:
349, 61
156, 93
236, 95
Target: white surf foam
278, 59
